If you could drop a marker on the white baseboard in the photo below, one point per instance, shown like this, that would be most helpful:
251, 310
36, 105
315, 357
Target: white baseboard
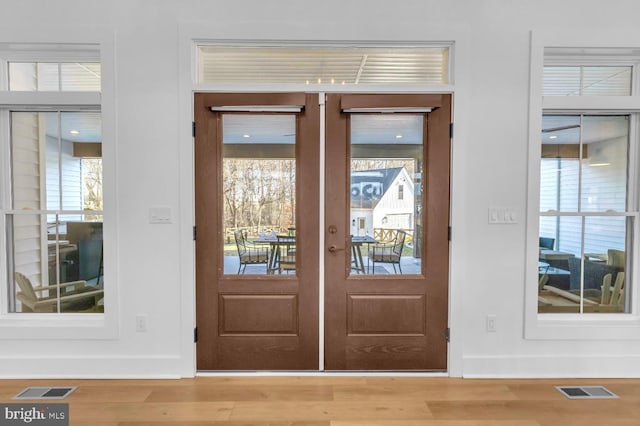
173, 367
552, 366
167, 367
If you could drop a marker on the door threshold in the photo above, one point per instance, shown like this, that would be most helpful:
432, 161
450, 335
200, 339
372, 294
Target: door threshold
279, 373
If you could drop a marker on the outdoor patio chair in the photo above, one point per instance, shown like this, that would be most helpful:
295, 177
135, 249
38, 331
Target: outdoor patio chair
250, 253
390, 252
76, 296
287, 253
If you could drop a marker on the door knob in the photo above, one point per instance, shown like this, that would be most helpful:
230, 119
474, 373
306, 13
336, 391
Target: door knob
333, 249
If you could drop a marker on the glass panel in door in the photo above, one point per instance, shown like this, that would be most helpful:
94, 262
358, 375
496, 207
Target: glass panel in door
386, 194
259, 194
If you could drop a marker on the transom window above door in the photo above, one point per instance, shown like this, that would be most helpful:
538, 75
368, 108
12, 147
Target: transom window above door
427, 64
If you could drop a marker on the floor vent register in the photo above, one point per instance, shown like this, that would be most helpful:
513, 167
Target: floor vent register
586, 392
45, 393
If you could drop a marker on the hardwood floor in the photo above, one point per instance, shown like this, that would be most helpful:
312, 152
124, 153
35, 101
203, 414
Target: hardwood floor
339, 401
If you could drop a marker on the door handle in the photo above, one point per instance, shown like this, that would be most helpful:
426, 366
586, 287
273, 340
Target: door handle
333, 249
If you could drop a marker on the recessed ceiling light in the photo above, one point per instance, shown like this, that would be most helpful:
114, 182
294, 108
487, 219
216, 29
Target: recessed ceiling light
246, 135
553, 137
74, 132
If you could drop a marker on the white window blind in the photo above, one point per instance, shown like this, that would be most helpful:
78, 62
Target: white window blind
587, 81
323, 65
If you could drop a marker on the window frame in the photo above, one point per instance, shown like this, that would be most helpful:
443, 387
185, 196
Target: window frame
44, 212
592, 326
98, 47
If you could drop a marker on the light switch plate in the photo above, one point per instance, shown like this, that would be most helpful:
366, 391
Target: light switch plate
160, 215
502, 215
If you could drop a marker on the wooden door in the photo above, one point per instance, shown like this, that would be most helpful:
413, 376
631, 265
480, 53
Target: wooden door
387, 184
257, 177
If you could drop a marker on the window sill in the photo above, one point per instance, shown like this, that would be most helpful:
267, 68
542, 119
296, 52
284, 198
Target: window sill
583, 327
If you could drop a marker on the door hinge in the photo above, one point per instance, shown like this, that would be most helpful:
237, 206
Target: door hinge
450, 131
193, 129
194, 232
449, 233
448, 334
195, 335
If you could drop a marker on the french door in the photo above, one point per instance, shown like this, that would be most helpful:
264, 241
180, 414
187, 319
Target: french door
384, 241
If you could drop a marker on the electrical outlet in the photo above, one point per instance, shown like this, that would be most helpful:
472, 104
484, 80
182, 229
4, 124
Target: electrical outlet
141, 323
491, 323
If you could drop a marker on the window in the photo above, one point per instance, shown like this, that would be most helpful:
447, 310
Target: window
52, 212
54, 77
584, 150
583, 181
586, 221
587, 81
339, 65
400, 192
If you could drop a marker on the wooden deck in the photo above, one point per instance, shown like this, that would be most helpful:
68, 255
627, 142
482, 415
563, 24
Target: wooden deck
339, 401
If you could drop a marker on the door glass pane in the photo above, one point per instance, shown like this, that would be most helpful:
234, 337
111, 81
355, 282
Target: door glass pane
386, 193
259, 194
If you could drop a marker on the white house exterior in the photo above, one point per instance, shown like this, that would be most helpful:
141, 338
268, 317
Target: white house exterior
381, 198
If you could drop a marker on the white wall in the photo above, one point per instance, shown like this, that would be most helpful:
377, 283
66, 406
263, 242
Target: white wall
152, 264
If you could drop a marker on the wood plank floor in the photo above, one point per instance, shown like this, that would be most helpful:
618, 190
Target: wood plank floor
339, 401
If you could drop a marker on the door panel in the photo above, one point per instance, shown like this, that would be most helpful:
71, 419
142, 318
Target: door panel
387, 232
252, 314
386, 240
